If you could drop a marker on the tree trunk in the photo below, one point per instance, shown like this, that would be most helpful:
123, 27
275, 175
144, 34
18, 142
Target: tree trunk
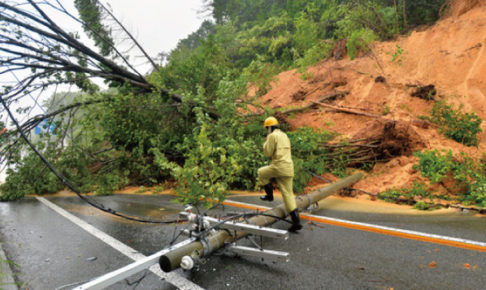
404, 7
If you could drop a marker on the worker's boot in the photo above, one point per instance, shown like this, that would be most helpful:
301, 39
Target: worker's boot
269, 191
296, 225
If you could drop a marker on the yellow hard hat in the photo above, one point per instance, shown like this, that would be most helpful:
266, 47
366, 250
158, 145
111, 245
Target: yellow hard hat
270, 121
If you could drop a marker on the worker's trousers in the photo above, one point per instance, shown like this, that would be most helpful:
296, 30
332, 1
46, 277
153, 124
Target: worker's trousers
285, 184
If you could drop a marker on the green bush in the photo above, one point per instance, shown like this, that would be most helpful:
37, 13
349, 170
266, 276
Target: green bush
318, 52
260, 74
459, 126
111, 181
30, 176
421, 205
360, 41
392, 195
417, 190
306, 33
307, 155
434, 165
207, 171
468, 174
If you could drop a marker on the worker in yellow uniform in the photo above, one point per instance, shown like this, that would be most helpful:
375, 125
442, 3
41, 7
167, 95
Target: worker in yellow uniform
277, 147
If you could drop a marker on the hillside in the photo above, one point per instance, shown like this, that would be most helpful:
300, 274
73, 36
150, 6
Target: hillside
186, 124
449, 55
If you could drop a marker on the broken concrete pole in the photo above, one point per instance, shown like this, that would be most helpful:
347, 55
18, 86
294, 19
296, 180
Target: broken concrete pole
212, 242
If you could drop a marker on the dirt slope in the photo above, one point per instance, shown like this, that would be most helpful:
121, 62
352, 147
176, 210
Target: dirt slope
451, 55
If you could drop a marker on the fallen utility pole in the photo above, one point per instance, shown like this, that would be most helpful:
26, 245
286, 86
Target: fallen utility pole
211, 242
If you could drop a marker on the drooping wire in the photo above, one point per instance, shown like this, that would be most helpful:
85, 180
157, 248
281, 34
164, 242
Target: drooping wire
67, 183
233, 217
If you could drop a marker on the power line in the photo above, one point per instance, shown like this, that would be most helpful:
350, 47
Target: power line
66, 181
30, 95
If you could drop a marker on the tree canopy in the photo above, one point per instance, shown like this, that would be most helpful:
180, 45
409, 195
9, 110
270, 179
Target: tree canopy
186, 122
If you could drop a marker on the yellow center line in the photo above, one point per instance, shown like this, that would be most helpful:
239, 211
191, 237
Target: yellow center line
423, 237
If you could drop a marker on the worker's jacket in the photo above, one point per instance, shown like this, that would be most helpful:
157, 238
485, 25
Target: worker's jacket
277, 147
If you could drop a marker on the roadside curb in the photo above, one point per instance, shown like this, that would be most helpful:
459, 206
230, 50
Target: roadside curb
7, 281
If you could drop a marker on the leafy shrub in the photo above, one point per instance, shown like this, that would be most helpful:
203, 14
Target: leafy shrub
360, 41
159, 189
418, 190
397, 55
421, 205
207, 171
306, 75
478, 192
434, 165
29, 177
278, 46
111, 181
316, 53
142, 189
307, 155
392, 195
260, 74
468, 174
386, 110
459, 126
218, 154
306, 33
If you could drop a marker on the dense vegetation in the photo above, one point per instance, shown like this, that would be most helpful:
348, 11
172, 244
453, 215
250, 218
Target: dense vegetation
204, 142
463, 177
455, 124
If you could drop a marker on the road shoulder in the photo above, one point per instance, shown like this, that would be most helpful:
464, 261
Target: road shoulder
7, 281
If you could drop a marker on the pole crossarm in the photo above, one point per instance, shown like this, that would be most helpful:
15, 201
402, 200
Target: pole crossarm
235, 226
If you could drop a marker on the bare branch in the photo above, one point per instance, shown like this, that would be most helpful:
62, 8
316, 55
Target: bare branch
131, 37
36, 120
63, 37
62, 9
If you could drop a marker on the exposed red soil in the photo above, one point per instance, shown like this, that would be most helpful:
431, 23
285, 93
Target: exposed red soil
446, 61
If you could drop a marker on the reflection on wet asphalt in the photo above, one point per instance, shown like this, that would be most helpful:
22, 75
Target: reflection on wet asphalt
50, 251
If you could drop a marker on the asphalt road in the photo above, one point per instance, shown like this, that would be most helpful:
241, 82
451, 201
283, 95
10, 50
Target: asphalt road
51, 251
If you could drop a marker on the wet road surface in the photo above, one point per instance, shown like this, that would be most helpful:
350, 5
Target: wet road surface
52, 252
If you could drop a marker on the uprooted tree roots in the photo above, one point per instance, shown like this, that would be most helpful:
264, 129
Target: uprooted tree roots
379, 142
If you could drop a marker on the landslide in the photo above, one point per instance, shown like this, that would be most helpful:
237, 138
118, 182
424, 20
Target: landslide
448, 58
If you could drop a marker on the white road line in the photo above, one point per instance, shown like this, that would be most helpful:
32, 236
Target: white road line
111, 278
422, 234
171, 277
